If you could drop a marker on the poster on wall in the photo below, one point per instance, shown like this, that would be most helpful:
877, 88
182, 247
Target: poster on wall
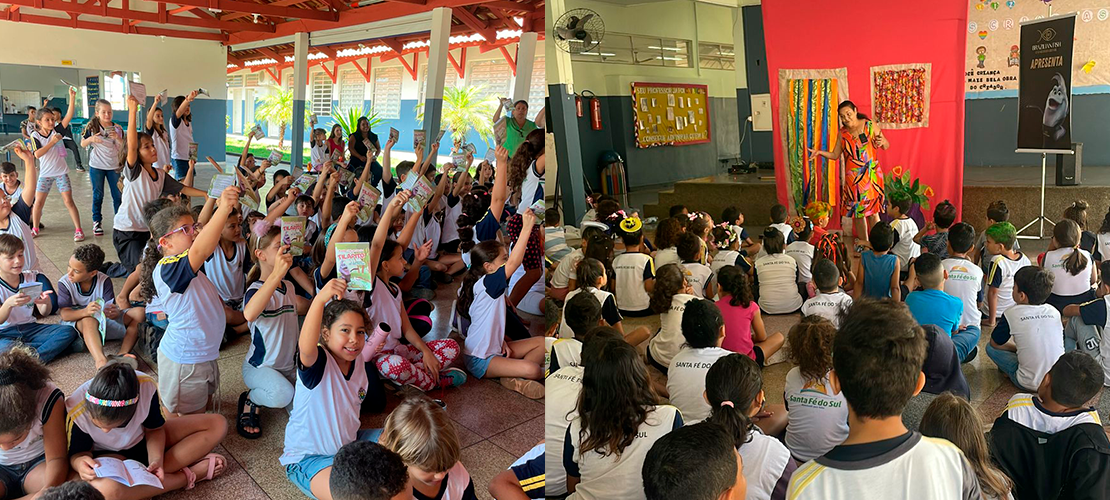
1045, 82
92, 89
661, 121
993, 51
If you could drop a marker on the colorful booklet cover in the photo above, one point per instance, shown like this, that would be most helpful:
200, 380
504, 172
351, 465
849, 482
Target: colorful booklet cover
257, 132
138, 90
367, 200
127, 472
421, 192
292, 234
249, 202
220, 182
304, 182
27, 144
459, 159
336, 155
275, 156
193, 151
417, 139
439, 136
346, 177
394, 134
538, 208
469, 148
31, 289
101, 320
352, 262
491, 156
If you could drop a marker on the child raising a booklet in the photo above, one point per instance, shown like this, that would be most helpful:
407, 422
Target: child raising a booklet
122, 444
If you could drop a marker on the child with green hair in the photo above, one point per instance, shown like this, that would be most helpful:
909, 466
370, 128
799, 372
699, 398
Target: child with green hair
1001, 237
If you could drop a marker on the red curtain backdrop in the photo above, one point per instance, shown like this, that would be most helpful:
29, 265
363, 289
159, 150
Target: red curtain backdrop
859, 34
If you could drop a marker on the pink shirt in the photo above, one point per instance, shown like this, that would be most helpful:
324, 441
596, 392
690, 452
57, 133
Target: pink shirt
738, 326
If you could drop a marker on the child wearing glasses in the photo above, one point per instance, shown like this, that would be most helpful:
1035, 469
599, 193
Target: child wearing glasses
187, 372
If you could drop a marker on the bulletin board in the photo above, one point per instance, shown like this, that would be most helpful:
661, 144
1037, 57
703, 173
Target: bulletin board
670, 114
992, 56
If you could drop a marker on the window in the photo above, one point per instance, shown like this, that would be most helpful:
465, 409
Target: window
451, 79
614, 48
352, 89
716, 56
495, 77
387, 93
235, 80
115, 90
321, 94
536, 90
252, 79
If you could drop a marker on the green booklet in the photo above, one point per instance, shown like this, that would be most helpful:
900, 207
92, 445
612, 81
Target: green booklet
292, 234
220, 182
367, 200
352, 263
421, 192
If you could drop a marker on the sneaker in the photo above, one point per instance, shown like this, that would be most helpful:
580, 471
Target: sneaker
98, 229
34, 232
971, 354
452, 377
80, 168
528, 388
78, 236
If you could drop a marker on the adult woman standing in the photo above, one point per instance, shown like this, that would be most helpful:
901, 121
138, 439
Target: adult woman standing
511, 130
181, 132
862, 192
360, 144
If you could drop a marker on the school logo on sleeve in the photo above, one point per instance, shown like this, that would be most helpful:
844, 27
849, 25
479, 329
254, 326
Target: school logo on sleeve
361, 394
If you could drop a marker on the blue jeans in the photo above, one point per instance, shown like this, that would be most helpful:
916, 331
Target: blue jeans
180, 169
1007, 361
48, 340
965, 340
98, 177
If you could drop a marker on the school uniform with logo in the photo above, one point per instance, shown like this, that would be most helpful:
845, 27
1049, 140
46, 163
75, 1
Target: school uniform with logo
699, 276
19, 229
268, 368
686, 380
18, 461
227, 274
71, 295
566, 270
817, 419
1001, 276
129, 230
21, 326
631, 271
802, 252
609, 311
768, 465
564, 353
828, 305
562, 389
1068, 288
905, 249
666, 344
1039, 337
778, 289
128, 439
605, 476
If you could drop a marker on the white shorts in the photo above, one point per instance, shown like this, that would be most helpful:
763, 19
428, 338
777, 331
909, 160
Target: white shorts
186, 388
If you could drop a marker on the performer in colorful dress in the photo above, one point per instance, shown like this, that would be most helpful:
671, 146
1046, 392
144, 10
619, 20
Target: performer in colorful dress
862, 190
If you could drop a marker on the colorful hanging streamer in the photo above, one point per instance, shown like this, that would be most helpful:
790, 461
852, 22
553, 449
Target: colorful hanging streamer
811, 123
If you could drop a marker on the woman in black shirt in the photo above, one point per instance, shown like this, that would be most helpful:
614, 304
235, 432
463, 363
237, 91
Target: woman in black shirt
361, 145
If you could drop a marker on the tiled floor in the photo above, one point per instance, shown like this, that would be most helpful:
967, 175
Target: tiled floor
495, 426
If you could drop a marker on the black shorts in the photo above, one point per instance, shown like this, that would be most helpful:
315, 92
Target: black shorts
759, 358
449, 247
651, 361
637, 314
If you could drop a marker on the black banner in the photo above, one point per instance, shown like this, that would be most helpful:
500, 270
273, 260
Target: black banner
1044, 85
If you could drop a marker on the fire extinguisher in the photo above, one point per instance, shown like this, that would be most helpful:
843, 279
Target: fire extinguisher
578, 105
595, 109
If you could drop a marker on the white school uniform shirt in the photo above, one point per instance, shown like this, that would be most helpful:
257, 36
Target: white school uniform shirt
698, 275
686, 381
1065, 283
386, 307
138, 190
427, 228
486, 335
105, 155
828, 305
181, 134
531, 190
193, 308
965, 280
566, 270
906, 249
568, 352
33, 446
1001, 276
1039, 337
120, 438
19, 229
562, 390
631, 270
326, 406
227, 273
802, 252
318, 156
785, 229
162, 146
1023, 410
765, 460
606, 476
817, 419
666, 344
274, 332
21, 315
53, 162
665, 256
609, 311
778, 289
1102, 245
723, 259
71, 295
451, 215
15, 194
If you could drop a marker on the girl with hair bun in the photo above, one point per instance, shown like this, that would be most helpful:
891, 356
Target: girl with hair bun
32, 425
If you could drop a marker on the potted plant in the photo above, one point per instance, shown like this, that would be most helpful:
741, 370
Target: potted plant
900, 185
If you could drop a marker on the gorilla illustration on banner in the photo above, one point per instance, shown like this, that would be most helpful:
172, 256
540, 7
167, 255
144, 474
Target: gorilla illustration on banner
1044, 123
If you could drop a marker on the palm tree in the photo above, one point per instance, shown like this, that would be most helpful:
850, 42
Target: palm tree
277, 107
349, 120
465, 109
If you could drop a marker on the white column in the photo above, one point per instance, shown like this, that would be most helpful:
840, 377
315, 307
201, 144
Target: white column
525, 60
300, 75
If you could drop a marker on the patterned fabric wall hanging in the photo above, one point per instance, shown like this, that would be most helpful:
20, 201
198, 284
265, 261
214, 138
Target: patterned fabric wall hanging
808, 119
900, 95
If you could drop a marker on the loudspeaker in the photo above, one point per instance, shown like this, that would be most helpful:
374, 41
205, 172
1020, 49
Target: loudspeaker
1069, 167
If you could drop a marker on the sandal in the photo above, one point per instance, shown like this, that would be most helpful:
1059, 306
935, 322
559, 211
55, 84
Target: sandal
248, 417
191, 477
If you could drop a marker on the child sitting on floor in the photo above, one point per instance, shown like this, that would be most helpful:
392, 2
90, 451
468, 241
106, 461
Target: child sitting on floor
818, 418
727, 241
943, 217
932, 306
965, 282
1072, 267
704, 329
32, 425
1002, 244
818, 213
634, 271
744, 329
778, 221
1052, 444
78, 292
830, 302
777, 275
21, 307
668, 299
734, 391
691, 249
996, 212
1034, 326
953, 418
733, 219
905, 247
592, 279
801, 250
666, 241
364, 470
581, 314
877, 269
420, 431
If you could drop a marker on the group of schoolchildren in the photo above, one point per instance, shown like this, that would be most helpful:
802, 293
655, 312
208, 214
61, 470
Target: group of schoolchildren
201, 275
876, 403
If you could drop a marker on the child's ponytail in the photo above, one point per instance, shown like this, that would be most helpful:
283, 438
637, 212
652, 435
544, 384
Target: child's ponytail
480, 255
259, 238
22, 375
669, 280
732, 385
588, 272
1066, 233
475, 205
